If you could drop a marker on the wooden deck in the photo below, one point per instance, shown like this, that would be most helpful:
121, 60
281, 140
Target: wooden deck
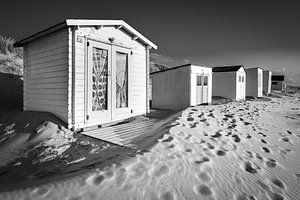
128, 133
124, 134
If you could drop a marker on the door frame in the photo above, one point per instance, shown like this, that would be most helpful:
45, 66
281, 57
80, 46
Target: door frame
120, 113
202, 87
93, 117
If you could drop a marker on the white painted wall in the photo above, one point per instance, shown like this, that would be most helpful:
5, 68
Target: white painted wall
241, 85
175, 89
46, 74
224, 84
198, 70
137, 69
254, 82
267, 81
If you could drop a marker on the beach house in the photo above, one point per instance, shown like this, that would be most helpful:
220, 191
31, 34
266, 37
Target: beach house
180, 87
278, 82
87, 72
254, 82
229, 82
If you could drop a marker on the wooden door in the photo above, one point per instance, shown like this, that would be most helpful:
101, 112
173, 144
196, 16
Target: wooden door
121, 93
201, 89
98, 83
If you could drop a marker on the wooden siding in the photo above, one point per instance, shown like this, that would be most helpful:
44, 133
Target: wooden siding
171, 89
138, 68
224, 84
46, 74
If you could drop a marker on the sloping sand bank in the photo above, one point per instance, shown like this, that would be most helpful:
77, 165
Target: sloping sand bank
240, 150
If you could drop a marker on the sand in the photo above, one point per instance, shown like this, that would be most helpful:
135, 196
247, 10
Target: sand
240, 150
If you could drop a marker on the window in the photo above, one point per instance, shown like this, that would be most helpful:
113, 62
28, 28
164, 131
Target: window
205, 81
199, 80
121, 80
243, 79
274, 83
240, 79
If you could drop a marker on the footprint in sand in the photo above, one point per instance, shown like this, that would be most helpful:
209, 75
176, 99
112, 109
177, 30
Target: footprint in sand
137, 170
203, 160
271, 163
272, 195
263, 141
205, 177
236, 138
221, 153
278, 183
169, 139
210, 146
167, 195
248, 167
264, 135
95, 179
159, 171
203, 190
190, 119
265, 149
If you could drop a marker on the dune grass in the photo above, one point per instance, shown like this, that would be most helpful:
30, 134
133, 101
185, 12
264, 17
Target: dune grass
11, 58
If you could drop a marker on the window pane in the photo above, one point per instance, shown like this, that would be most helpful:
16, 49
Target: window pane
240, 79
121, 80
99, 79
199, 80
205, 83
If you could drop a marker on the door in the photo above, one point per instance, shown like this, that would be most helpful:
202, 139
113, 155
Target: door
241, 87
98, 83
201, 89
120, 83
108, 83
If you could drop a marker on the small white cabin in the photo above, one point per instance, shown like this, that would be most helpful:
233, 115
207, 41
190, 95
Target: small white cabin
180, 87
267, 81
254, 83
278, 82
229, 82
87, 72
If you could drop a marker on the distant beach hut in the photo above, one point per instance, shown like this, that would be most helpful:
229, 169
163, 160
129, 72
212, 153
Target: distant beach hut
278, 82
180, 87
267, 81
254, 83
87, 72
229, 82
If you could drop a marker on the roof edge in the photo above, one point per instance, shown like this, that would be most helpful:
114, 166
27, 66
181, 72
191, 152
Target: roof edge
40, 34
86, 22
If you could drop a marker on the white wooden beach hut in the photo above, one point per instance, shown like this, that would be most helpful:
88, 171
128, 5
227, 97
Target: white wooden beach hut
267, 81
229, 82
278, 82
254, 82
87, 72
180, 87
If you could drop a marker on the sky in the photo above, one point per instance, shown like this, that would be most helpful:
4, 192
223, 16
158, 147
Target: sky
256, 33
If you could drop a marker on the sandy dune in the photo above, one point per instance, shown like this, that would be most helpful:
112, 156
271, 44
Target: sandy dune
240, 150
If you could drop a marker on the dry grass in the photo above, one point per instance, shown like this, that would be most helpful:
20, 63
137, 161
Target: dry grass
11, 58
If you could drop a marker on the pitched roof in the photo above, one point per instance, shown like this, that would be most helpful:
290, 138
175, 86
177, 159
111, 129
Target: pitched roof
227, 68
277, 77
88, 22
171, 68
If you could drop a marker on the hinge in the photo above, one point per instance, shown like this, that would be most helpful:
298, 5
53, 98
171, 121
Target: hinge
130, 52
88, 44
87, 117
